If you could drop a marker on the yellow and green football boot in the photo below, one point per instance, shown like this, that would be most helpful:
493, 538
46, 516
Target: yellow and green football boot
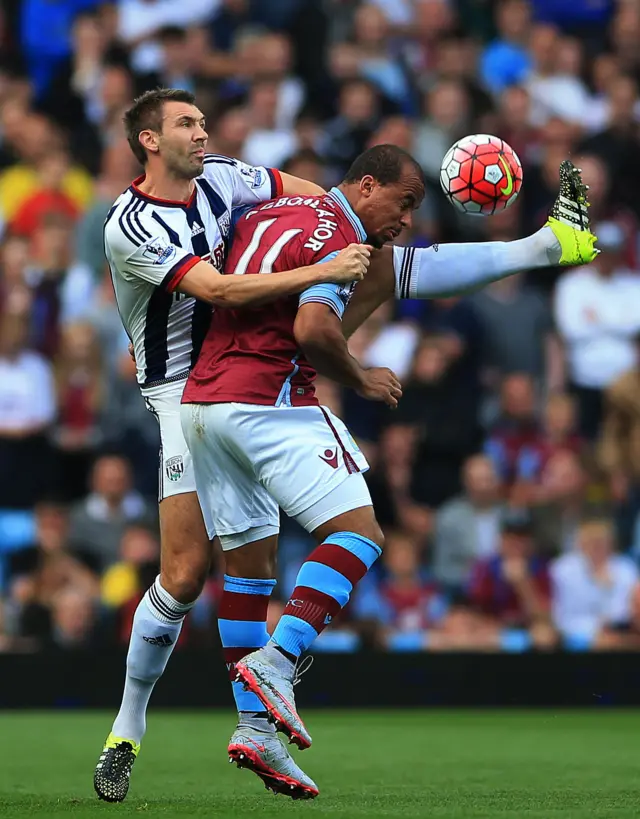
569, 219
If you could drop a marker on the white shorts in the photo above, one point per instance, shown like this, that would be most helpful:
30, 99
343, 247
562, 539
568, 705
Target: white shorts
249, 458
176, 474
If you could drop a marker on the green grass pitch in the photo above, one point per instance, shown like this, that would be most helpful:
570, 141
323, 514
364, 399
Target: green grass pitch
440, 764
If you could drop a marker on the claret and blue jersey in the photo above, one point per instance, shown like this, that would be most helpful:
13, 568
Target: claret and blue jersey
250, 355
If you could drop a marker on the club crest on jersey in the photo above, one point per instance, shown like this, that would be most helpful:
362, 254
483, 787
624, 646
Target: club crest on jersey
254, 176
158, 251
174, 468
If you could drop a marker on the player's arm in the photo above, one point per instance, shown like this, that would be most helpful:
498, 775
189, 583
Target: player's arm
294, 186
204, 282
250, 185
318, 333
141, 248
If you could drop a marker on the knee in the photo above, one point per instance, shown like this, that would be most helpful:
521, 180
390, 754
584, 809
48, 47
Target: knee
244, 562
184, 583
375, 534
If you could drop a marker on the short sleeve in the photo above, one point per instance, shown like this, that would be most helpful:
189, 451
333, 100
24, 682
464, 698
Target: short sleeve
335, 296
243, 184
142, 249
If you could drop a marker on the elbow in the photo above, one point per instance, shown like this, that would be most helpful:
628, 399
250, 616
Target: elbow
311, 338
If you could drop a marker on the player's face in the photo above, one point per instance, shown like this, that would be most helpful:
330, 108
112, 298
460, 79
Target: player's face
387, 210
183, 140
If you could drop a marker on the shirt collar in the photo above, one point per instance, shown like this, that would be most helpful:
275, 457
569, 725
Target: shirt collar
341, 199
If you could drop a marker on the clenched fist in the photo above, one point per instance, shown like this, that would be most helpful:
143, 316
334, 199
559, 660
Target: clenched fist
350, 265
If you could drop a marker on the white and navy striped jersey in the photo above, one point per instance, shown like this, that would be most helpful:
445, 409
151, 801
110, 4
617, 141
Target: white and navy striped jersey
151, 244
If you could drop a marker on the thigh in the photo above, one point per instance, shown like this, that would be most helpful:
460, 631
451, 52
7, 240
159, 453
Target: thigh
227, 487
301, 454
176, 475
353, 494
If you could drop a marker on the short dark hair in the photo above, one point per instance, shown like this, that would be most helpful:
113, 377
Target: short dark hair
384, 163
146, 114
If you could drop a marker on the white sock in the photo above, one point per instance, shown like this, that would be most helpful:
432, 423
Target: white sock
449, 269
156, 627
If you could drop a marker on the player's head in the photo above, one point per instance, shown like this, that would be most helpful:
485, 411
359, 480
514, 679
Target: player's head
166, 126
384, 186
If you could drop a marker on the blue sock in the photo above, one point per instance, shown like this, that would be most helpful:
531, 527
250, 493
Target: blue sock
323, 587
242, 622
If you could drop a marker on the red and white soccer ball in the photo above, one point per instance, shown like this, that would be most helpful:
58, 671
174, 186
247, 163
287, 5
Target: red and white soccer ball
481, 175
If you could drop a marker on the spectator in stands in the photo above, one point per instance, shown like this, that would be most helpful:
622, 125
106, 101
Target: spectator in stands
515, 123
38, 139
467, 528
616, 144
48, 198
598, 315
71, 97
346, 135
592, 587
507, 60
443, 412
517, 331
402, 602
118, 169
560, 502
61, 290
140, 21
306, 164
39, 573
177, 66
605, 208
80, 383
268, 143
446, 109
619, 445
14, 260
27, 410
376, 61
74, 620
228, 134
139, 562
46, 36
514, 439
275, 63
100, 520
554, 84
512, 586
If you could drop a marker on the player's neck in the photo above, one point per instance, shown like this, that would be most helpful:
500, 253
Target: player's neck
349, 193
162, 185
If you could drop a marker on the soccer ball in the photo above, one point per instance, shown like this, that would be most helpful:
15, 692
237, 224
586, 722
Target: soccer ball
481, 175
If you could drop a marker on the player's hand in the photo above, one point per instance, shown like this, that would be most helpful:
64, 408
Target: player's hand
381, 384
350, 265
132, 353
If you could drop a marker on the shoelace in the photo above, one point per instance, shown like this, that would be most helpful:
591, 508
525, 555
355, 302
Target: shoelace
302, 668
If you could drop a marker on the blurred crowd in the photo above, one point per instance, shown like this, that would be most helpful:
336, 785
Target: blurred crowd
508, 481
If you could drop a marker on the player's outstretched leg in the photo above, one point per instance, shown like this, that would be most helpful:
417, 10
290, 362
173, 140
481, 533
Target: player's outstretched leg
323, 587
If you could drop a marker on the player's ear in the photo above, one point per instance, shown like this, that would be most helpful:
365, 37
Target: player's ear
367, 184
149, 141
